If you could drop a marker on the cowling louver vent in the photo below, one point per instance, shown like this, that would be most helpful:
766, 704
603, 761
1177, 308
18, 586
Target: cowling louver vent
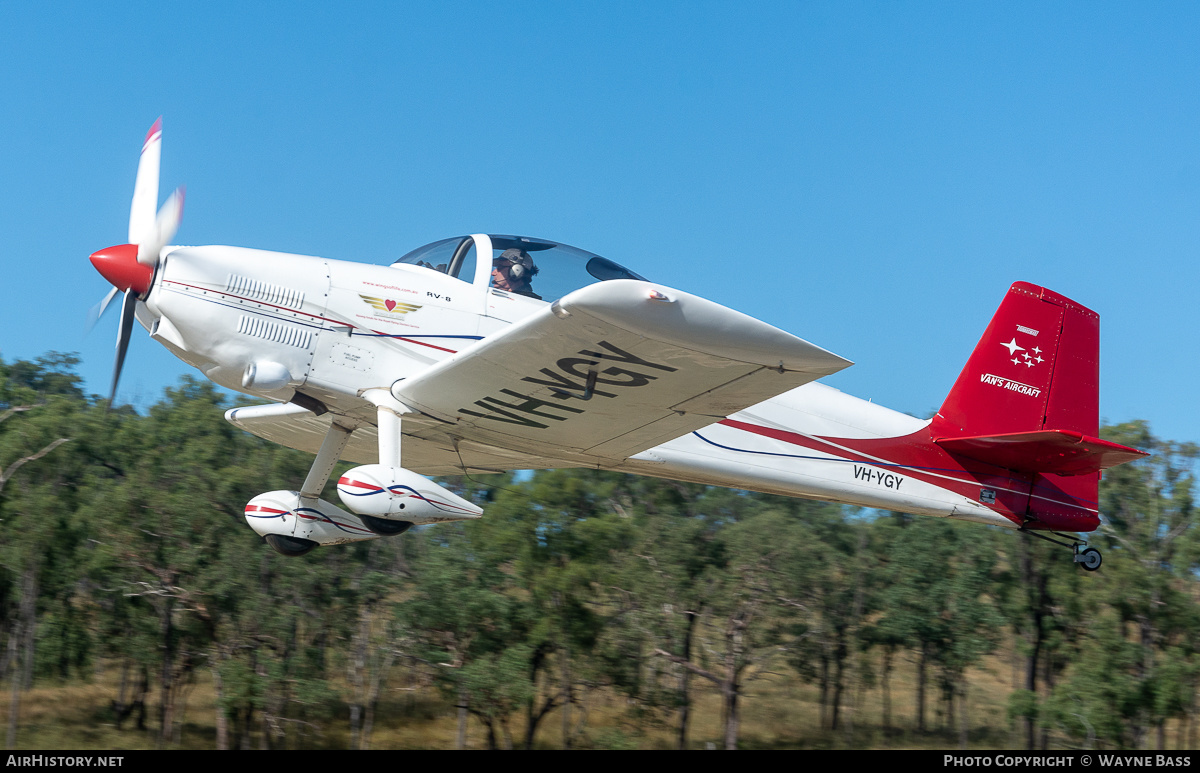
265, 292
272, 331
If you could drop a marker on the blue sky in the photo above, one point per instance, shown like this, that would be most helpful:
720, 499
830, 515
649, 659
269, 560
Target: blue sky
868, 176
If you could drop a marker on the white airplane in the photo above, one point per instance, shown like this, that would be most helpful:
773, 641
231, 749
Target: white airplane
486, 353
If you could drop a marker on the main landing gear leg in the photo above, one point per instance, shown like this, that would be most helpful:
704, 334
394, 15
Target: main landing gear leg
1089, 558
388, 412
322, 467
295, 522
387, 497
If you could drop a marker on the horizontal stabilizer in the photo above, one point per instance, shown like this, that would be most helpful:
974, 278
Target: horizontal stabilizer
1058, 452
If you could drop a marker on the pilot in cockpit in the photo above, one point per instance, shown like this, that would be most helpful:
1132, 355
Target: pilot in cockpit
513, 272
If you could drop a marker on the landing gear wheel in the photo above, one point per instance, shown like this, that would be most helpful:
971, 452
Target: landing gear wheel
384, 527
1091, 559
289, 546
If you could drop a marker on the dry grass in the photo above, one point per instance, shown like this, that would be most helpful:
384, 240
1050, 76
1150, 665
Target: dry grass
777, 712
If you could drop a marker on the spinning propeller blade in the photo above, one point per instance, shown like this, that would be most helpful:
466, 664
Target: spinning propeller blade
123, 332
97, 311
145, 187
162, 230
130, 267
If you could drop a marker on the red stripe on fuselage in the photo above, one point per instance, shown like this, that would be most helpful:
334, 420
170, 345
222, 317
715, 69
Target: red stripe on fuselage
918, 456
290, 310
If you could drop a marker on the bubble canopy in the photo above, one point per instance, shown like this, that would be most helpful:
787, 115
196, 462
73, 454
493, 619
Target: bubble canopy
557, 268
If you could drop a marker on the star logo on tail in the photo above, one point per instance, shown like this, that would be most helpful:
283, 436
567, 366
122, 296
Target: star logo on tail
1027, 357
1013, 347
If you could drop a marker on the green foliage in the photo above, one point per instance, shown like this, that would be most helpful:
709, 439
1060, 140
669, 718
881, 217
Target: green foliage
1023, 704
52, 375
1136, 665
126, 545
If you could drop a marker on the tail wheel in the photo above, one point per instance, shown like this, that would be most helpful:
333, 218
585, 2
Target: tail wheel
1089, 557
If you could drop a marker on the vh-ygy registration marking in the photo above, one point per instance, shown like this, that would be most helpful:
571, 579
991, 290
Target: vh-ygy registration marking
878, 477
569, 378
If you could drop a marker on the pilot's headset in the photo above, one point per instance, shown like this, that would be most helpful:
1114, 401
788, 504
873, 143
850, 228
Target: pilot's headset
521, 265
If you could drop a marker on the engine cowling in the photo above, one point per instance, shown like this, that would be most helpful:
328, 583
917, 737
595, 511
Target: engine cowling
394, 493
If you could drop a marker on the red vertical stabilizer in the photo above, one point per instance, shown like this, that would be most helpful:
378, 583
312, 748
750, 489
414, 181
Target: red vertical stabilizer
1036, 367
1029, 400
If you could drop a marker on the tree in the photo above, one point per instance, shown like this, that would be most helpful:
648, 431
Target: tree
828, 578
937, 580
463, 620
664, 584
1124, 686
40, 406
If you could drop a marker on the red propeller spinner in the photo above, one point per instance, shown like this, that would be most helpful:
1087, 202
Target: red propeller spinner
119, 265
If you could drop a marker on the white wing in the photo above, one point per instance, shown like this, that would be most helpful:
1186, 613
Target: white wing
610, 370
